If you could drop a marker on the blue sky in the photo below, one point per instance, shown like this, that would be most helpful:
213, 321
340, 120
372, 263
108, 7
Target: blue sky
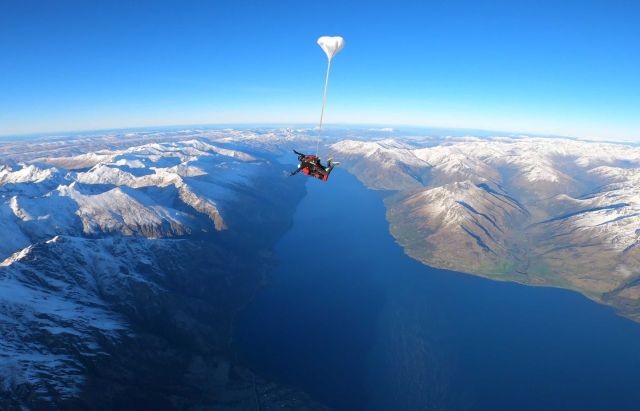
557, 67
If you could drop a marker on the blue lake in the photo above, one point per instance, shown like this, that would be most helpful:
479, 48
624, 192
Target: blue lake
358, 325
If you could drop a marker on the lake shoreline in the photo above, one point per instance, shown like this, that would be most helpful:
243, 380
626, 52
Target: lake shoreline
364, 318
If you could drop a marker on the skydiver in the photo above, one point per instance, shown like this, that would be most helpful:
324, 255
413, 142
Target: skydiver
312, 166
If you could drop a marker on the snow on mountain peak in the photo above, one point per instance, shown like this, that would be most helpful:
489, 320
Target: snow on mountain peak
82, 232
26, 174
152, 190
520, 206
17, 256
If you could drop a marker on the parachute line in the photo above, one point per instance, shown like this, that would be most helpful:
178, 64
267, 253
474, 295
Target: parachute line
324, 102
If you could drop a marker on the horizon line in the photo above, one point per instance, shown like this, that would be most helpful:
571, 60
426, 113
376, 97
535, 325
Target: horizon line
70, 133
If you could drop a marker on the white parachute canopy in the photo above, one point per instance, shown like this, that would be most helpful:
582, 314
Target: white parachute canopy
331, 46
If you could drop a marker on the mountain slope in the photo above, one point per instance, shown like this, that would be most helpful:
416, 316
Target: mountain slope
122, 269
534, 210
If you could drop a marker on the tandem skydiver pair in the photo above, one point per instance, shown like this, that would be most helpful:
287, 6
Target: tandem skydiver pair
312, 166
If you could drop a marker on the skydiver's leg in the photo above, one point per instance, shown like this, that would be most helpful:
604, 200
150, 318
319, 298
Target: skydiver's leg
330, 165
322, 171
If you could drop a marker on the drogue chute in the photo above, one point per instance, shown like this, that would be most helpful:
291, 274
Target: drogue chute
331, 46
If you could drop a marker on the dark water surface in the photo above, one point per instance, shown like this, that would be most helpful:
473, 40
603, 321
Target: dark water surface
354, 322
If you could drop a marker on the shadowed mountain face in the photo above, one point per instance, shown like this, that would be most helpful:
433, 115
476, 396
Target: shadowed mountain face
539, 211
122, 269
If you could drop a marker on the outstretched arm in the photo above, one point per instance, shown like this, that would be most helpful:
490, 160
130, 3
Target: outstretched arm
296, 171
300, 155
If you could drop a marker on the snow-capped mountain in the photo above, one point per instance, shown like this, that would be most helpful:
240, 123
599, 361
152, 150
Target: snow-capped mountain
125, 257
55, 313
456, 213
154, 190
537, 210
121, 269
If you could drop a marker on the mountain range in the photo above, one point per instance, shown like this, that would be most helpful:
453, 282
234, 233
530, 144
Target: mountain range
126, 256
540, 211
124, 262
